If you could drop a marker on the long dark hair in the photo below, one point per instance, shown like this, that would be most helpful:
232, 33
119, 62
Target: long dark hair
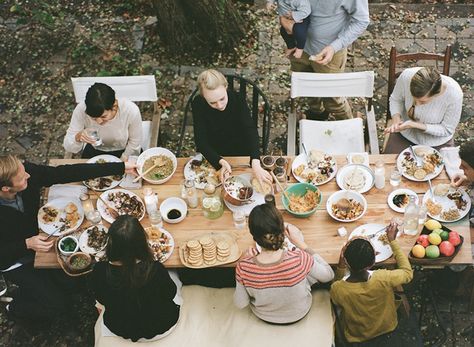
128, 244
267, 227
99, 97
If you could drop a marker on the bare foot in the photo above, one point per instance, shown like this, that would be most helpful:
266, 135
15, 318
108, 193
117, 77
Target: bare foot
289, 52
298, 53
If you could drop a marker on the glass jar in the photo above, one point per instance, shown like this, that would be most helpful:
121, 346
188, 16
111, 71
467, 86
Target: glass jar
151, 200
379, 174
212, 204
87, 205
410, 218
189, 193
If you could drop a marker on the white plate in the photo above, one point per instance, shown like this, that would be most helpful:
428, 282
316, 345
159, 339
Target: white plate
109, 159
151, 152
349, 169
60, 204
157, 242
85, 237
348, 194
385, 251
353, 155
401, 168
302, 159
102, 208
287, 245
190, 174
397, 192
447, 204
257, 199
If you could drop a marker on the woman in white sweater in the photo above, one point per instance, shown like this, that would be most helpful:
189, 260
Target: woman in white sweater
118, 122
425, 108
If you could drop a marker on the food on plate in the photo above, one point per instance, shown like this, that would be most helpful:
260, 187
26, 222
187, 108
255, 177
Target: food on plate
206, 251
164, 168
262, 189
354, 210
160, 244
238, 189
422, 151
223, 250
354, 180
68, 244
433, 207
458, 199
49, 214
70, 208
384, 239
432, 224
304, 203
401, 200
96, 238
451, 214
419, 174
204, 172
431, 160
126, 204
441, 189
102, 183
194, 253
209, 250
357, 159
318, 169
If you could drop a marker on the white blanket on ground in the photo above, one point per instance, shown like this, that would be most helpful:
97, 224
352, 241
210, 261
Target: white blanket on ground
209, 319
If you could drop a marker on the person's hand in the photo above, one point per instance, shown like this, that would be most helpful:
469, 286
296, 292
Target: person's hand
38, 243
325, 56
458, 179
262, 175
225, 171
287, 24
82, 136
392, 230
131, 169
394, 128
251, 252
295, 235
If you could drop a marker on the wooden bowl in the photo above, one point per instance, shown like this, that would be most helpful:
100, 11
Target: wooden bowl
86, 261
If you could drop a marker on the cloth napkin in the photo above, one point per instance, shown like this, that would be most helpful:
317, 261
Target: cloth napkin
66, 191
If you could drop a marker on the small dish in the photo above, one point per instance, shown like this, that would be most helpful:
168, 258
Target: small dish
354, 197
173, 210
356, 177
361, 158
68, 245
395, 202
78, 262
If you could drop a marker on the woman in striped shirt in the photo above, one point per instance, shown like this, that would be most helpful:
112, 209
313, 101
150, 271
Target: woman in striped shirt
277, 282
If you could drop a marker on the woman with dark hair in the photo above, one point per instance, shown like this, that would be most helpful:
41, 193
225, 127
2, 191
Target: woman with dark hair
366, 298
425, 108
136, 291
277, 282
117, 121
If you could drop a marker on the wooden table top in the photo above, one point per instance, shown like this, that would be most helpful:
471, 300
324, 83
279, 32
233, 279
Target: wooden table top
320, 230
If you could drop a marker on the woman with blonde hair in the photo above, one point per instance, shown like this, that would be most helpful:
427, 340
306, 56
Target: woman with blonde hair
425, 107
223, 125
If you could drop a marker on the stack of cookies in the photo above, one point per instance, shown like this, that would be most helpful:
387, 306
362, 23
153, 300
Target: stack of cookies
223, 251
209, 250
194, 250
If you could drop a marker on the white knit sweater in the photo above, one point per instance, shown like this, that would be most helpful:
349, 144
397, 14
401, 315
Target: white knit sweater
441, 115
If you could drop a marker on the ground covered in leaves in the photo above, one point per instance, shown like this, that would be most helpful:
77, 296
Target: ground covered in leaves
43, 44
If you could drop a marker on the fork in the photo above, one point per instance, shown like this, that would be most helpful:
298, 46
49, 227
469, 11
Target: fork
371, 236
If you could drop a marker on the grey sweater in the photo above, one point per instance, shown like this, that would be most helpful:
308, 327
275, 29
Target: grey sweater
300, 9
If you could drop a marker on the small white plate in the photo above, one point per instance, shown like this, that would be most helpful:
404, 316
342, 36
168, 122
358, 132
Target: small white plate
402, 169
301, 159
355, 158
83, 239
158, 243
399, 192
384, 251
109, 159
102, 208
447, 204
350, 169
257, 199
60, 204
190, 173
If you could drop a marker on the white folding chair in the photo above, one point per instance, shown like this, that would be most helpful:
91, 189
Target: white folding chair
334, 137
134, 88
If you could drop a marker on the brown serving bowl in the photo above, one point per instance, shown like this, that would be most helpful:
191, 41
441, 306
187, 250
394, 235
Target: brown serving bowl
237, 190
78, 262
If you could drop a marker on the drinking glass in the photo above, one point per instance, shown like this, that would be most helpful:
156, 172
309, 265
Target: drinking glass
422, 214
239, 219
94, 134
155, 219
395, 178
93, 216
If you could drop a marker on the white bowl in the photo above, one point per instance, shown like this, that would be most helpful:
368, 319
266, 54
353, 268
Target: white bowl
151, 152
348, 194
66, 238
170, 204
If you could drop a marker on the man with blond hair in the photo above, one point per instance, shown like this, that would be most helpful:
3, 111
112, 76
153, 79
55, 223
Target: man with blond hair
39, 296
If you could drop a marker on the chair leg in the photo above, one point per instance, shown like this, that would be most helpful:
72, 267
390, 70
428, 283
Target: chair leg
405, 305
291, 137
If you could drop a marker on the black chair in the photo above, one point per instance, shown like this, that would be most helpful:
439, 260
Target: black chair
246, 88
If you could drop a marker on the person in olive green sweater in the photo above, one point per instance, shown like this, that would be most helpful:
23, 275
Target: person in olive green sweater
366, 298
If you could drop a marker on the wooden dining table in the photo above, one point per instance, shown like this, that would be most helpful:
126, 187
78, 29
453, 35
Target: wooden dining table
319, 230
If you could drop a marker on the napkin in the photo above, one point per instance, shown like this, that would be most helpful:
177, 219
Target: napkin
66, 191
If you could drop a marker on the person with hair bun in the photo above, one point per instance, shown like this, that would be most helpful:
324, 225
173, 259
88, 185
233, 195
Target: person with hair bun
223, 125
118, 121
276, 283
426, 108
365, 297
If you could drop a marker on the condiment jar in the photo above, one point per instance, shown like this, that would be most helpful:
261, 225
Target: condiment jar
190, 194
379, 174
212, 204
87, 205
151, 200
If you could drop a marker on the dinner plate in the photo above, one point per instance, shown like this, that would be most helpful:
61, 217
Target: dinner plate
59, 204
102, 208
84, 238
356, 169
399, 192
161, 243
301, 159
108, 159
402, 163
384, 250
255, 200
199, 178
447, 204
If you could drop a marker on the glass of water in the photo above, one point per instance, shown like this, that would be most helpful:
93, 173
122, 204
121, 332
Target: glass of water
239, 219
93, 133
93, 216
395, 178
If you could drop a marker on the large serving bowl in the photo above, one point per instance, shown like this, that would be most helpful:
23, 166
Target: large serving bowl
350, 195
154, 152
298, 190
231, 188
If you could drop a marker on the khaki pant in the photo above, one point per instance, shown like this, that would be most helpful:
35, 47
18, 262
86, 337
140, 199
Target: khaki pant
338, 107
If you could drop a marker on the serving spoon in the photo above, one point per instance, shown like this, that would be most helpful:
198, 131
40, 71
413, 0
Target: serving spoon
157, 162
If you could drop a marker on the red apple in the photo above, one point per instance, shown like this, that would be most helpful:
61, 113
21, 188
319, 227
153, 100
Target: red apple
446, 248
423, 240
454, 238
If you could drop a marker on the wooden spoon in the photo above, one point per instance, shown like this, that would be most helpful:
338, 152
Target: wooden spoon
112, 211
156, 163
280, 186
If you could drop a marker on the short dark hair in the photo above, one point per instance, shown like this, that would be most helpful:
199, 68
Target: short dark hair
267, 227
359, 254
99, 98
467, 152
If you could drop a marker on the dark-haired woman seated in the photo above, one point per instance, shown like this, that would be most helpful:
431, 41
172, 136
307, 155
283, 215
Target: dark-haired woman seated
276, 282
117, 121
140, 298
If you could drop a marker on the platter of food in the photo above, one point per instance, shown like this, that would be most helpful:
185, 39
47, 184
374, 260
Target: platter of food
430, 163
240, 194
161, 243
346, 205
378, 238
123, 201
449, 204
160, 163
316, 168
209, 250
60, 215
399, 199
93, 239
103, 183
201, 171
357, 177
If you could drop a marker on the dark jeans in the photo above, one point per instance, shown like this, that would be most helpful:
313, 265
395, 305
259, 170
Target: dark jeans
42, 294
89, 152
298, 37
214, 277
